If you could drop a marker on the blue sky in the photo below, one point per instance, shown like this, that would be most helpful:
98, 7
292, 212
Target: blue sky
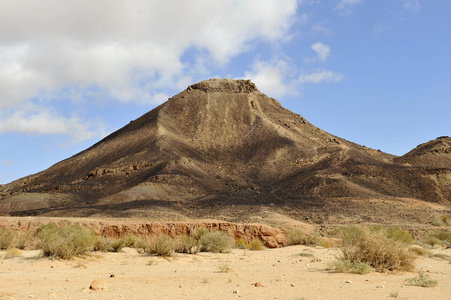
376, 73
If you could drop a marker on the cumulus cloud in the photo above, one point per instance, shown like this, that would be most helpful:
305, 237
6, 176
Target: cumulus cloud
274, 78
320, 76
33, 119
322, 50
126, 50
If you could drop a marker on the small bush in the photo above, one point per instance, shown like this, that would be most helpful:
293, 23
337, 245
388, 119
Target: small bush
6, 238
446, 220
101, 244
422, 280
162, 245
240, 244
433, 241
22, 241
187, 244
345, 266
198, 233
444, 236
216, 241
130, 240
116, 245
297, 237
420, 251
12, 252
225, 268
374, 248
399, 234
256, 245
66, 240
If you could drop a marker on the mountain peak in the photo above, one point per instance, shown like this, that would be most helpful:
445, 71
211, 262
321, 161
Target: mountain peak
225, 85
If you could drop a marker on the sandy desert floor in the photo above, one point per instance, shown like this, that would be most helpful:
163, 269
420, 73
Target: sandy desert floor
295, 272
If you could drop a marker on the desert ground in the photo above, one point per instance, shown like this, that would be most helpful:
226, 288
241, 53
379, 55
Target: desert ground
294, 272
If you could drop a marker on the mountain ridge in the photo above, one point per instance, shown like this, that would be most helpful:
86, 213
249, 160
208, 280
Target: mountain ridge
223, 142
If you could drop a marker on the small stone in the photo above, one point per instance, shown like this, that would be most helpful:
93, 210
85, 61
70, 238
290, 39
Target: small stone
99, 285
258, 284
380, 286
236, 292
30, 296
112, 275
348, 281
293, 284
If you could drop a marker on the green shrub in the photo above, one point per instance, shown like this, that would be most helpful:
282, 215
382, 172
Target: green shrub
22, 241
297, 237
225, 268
420, 251
240, 244
345, 266
374, 248
187, 244
446, 220
101, 244
116, 245
399, 234
66, 240
6, 238
256, 245
199, 232
444, 236
433, 241
422, 280
162, 245
216, 241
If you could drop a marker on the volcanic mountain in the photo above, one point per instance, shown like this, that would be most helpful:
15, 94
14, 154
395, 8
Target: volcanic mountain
223, 149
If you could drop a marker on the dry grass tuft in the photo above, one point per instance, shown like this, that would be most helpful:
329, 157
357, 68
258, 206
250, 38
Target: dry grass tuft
216, 241
65, 240
6, 238
297, 237
163, 245
422, 280
374, 248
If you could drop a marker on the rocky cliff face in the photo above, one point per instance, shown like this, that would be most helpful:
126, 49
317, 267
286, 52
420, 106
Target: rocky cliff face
219, 146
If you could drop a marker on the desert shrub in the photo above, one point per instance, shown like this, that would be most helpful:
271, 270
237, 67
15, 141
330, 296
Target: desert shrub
297, 237
446, 220
162, 245
116, 245
187, 244
130, 240
399, 234
6, 238
22, 241
444, 236
66, 240
374, 248
422, 280
256, 245
199, 232
225, 268
421, 251
216, 241
345, 266
437, 221
432, 241
12, 252
240, 244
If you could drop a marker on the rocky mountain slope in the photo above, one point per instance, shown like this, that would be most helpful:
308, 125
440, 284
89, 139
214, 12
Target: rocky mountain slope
223, 149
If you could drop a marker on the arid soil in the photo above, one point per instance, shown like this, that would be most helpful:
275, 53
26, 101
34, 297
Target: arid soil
285, 273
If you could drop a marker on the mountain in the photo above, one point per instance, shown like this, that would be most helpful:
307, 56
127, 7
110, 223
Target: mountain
223, 149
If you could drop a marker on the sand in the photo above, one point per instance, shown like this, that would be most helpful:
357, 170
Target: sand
282, 273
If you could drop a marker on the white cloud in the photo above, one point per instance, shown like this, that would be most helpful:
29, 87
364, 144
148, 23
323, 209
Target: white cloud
322, 50
345, 5
320, 76
274, 78
412, 5
33, 119
126, 50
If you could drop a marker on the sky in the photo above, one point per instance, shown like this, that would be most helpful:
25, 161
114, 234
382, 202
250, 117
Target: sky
377, 73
